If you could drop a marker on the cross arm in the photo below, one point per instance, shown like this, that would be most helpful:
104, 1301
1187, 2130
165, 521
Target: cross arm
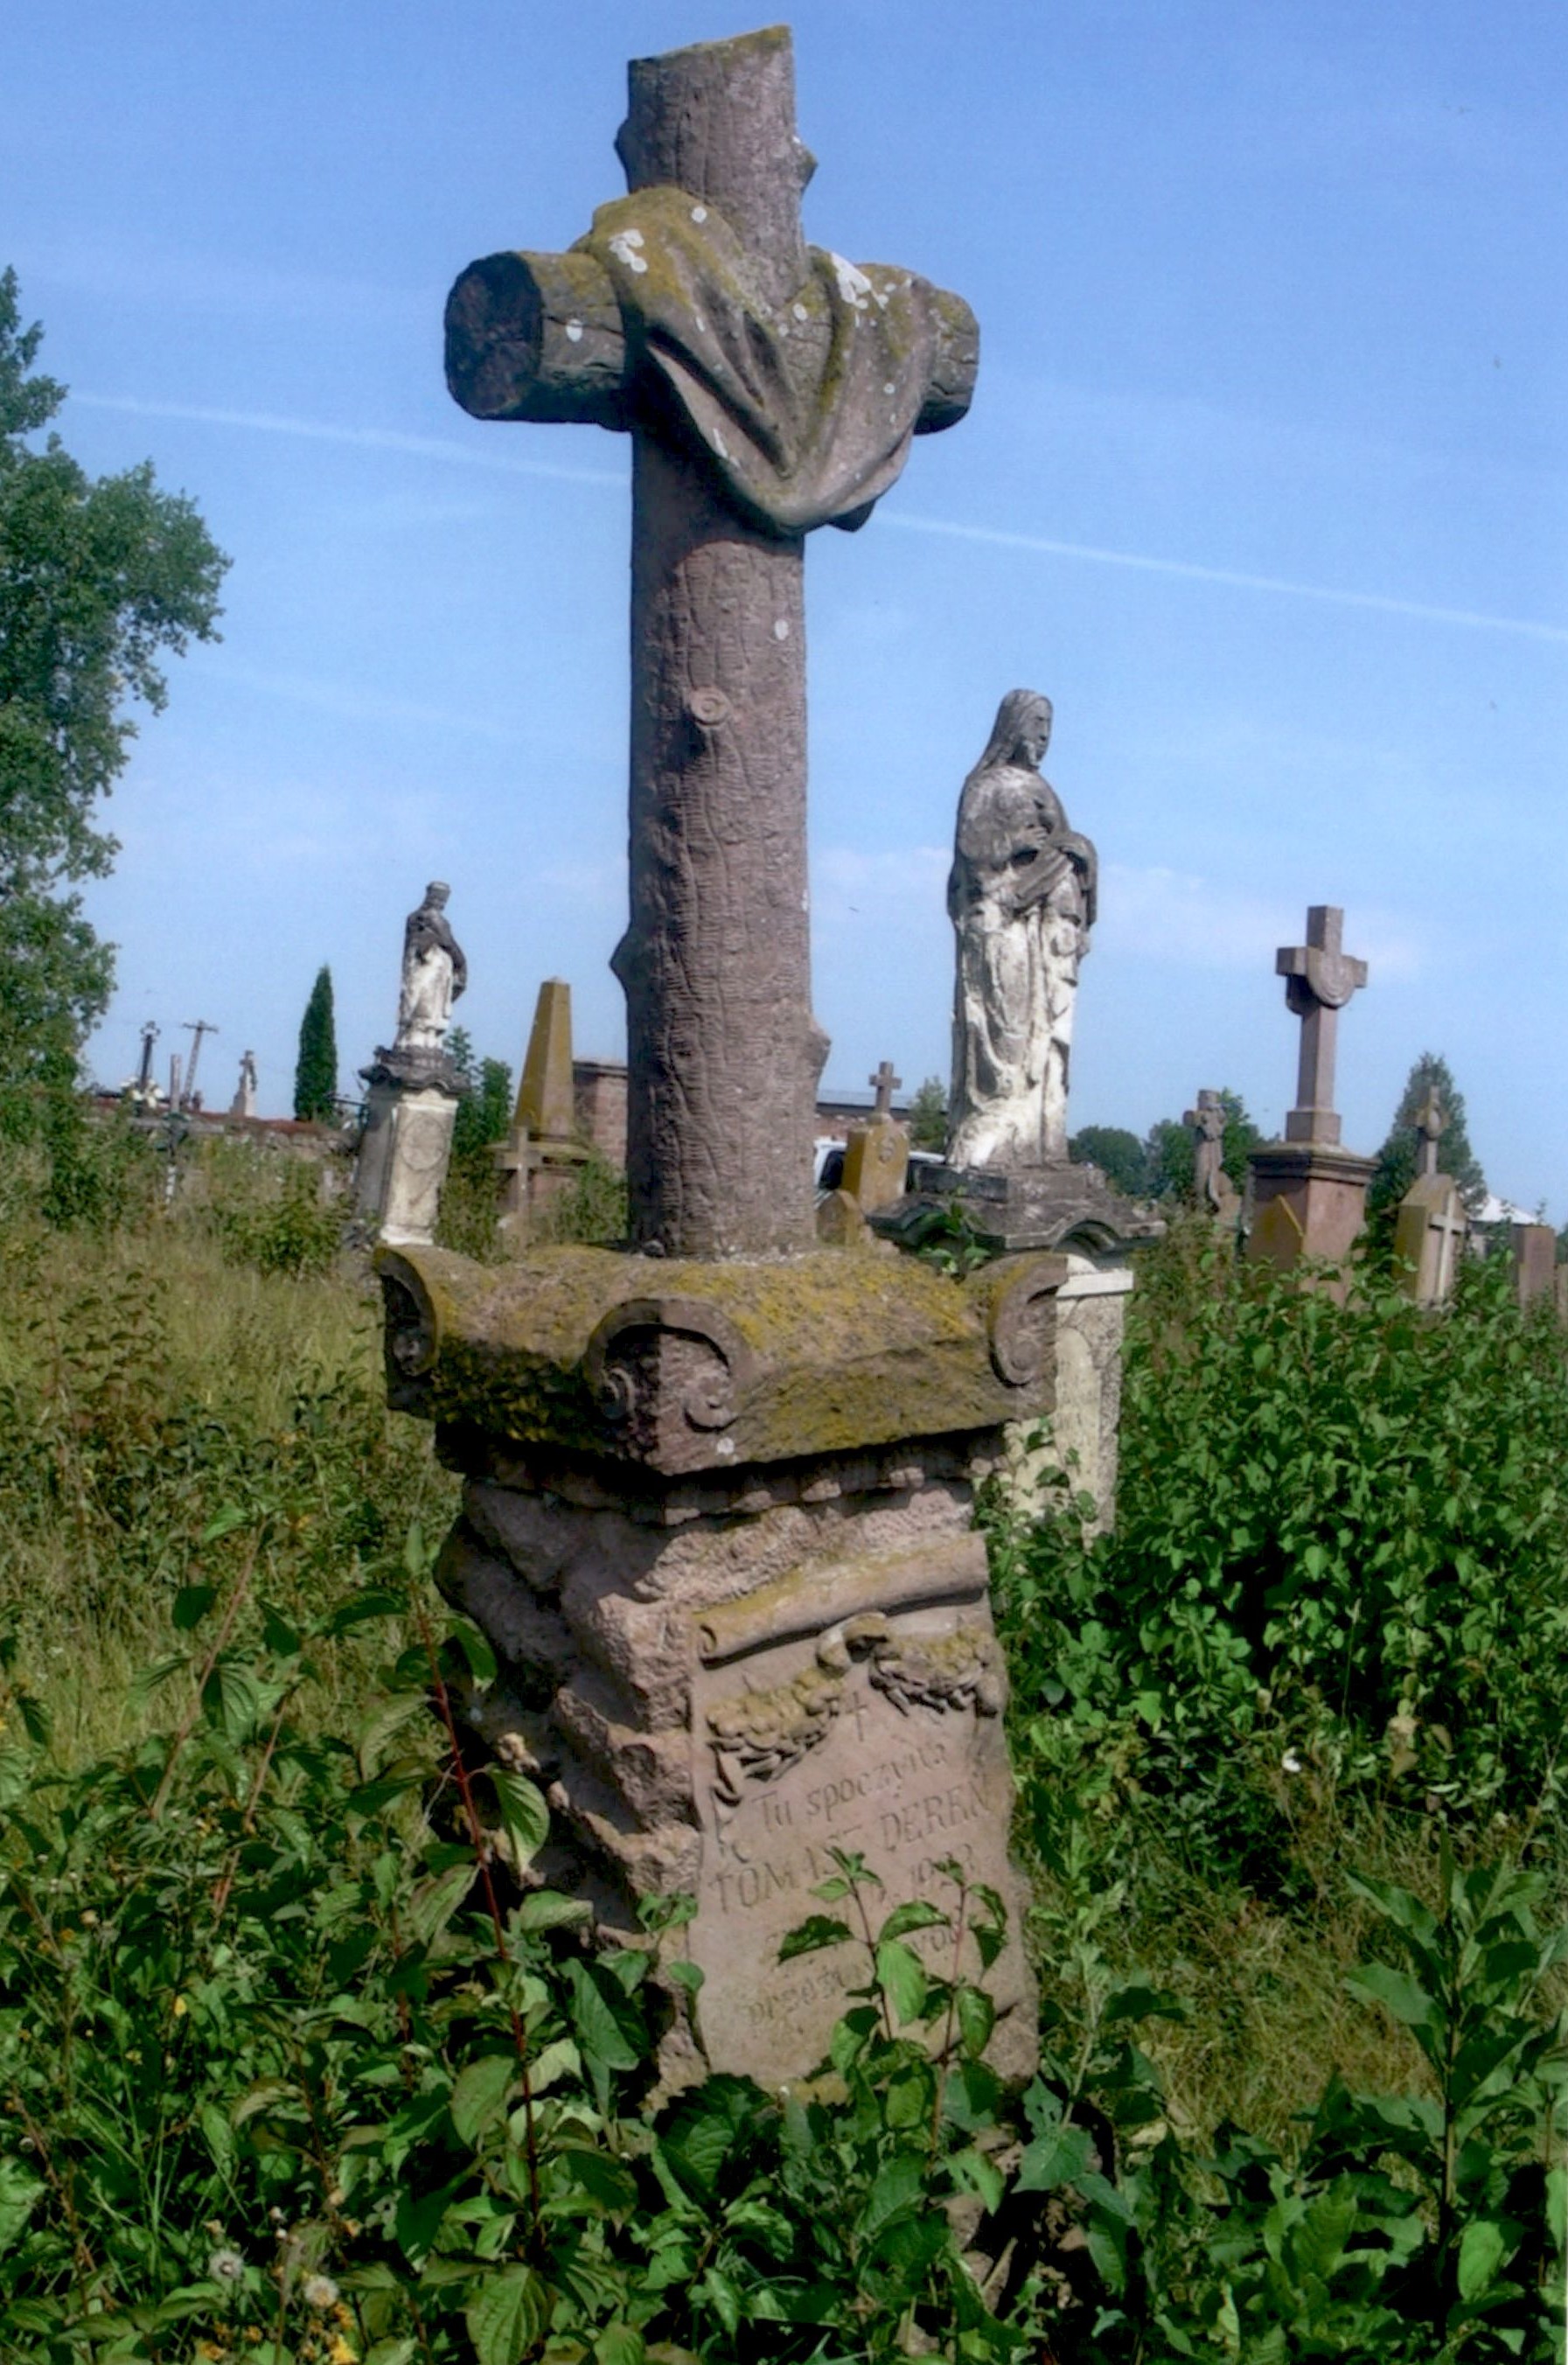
541, 337
538, 337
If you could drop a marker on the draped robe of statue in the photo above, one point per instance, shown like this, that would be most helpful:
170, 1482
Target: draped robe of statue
1021, 896
434, 974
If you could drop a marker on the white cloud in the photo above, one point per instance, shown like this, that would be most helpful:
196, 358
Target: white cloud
894, 885
1163, 915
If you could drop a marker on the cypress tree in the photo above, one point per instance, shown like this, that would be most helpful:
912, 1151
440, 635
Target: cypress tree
316, 1070
1397, 1159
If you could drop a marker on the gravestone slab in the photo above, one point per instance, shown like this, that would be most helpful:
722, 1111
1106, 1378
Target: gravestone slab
1535, 1261
1429, 1239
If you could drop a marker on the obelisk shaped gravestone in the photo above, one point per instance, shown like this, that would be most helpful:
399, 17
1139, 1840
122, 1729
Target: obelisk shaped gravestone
768, 389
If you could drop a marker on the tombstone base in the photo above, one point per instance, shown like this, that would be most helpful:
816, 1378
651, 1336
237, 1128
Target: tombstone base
1309, 1199
1063, 1206
410, 1111
717, 1523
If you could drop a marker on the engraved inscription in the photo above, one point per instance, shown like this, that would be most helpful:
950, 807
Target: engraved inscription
878, 1736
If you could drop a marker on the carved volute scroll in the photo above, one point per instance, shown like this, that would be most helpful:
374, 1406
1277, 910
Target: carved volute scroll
667, 1373
1022, 1317
410, 1332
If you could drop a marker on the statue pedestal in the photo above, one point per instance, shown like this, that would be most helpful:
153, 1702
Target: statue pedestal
411, 1108
717, 1524
1309, 1199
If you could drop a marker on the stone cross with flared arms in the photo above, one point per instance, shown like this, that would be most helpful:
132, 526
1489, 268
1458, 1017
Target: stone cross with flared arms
768, 389
1319, 978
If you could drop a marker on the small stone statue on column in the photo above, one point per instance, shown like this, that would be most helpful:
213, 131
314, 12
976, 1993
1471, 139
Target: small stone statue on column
1213, 1189
411, 1106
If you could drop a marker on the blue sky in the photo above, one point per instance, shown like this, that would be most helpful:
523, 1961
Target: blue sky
1266, 483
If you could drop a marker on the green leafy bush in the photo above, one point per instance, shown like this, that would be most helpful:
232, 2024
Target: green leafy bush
1341, 1558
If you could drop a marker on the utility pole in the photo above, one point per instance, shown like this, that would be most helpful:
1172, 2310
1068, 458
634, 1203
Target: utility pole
196, 1029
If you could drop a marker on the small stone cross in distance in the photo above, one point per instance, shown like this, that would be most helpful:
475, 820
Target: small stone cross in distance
886, 1084
1431, 1126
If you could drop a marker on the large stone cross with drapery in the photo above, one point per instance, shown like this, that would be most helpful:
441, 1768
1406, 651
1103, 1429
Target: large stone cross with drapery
768, 387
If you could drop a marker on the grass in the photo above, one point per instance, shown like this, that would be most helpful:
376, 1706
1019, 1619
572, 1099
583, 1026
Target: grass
148, 1383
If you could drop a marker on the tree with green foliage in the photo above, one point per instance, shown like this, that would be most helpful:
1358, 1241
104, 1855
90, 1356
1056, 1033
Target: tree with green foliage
98, 578
1171, 1155
315, 1070
928, 1115
1119, 1155
1397, 1159
484, 1113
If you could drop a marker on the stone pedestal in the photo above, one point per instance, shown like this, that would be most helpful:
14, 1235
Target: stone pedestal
718, 1524
1309, 1199
411, 1108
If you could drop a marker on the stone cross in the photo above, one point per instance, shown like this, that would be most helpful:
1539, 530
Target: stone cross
886, 1084
768, 389
1431, 1126
1319, 980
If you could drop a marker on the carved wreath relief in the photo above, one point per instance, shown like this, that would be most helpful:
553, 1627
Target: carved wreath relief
756, 1735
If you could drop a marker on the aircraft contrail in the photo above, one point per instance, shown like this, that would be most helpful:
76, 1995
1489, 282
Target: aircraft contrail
1002, 539
381, 439
440, 447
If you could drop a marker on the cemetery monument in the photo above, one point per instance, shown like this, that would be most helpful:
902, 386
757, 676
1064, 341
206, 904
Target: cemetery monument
719, 1488
1309, 1192
1430, 1226
1212, 1186
411, 1106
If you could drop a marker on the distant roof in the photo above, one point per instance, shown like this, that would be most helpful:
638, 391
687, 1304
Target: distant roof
1494, 1210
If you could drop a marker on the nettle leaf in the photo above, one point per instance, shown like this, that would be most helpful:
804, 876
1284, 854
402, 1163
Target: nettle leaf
191, 1605
607, 2025
381, 1726
1397, 1991
619, 2345
976, 2015
370, 1602
20, 2193
817, 1931
902, 1975
524, 1815
916, 1915
510, 2315
432, 1905
898, 2186
699, 2133
1483, 2247
546, 1909
478, 2096
606, 2182
232, 1700
1059, 2156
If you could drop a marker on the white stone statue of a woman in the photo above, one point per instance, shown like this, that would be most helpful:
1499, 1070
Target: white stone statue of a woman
434, 974
1021, 897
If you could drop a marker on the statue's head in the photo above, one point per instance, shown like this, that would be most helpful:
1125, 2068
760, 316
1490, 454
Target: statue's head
437, 892
1021, 730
